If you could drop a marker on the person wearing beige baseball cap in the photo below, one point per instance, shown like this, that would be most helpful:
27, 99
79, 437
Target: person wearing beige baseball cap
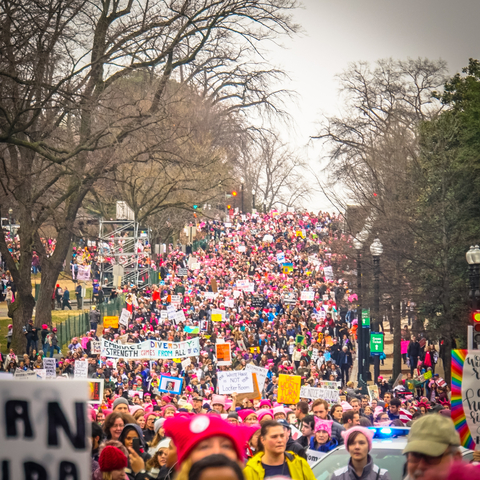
432, 446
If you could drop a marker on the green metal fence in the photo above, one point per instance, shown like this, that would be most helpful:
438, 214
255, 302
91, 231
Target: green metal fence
78, 325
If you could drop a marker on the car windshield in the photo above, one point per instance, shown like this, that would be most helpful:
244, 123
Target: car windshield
389, 459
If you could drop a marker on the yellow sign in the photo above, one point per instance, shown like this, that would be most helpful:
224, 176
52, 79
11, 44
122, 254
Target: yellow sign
255, 350
110, 322
299, 233
217, 317
289, 389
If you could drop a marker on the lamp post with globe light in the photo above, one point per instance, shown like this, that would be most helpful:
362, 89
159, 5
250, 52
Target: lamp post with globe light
376, 249
473, 260
358, 245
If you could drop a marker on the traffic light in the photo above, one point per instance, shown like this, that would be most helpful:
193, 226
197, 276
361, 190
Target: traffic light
476, 326
229, 207
234, 193
195, 207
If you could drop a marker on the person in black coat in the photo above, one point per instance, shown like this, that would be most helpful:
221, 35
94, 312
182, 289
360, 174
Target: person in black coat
413, 353
345, 362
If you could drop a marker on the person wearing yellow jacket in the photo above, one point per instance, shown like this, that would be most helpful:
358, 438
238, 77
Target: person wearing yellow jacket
273, 460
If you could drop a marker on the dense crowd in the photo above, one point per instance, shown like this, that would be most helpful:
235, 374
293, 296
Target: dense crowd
283, 308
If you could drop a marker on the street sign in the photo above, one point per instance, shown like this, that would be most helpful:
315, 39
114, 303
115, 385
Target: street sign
366, 318
376, 343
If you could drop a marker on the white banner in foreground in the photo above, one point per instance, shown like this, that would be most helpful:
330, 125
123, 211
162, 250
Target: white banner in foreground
151, 349
44, 430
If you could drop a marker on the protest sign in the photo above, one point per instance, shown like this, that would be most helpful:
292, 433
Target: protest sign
289, 298
217, 315
83, 274
242, 284
307, 295
179, 317
258, 302
195, 266
175, 299
191, 329
234, 382
96, 347
135, 393
373, 392
182, 272
44, 430
254, 349
186, 363
250, 288
241, 248
404, 347
40, 373
110, 321
328, 272
236, 294
95, 390
229, 302
256, 394
213, 284
328, 394
50, 365
261, 374
163, 314
289, 389
223, 354
329, 384
171, 385
466, 396
124, 317
242, 345
281, 257
151, 349
81, 369
313, 456
24, 375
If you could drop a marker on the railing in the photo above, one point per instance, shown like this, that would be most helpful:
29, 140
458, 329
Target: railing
78, 325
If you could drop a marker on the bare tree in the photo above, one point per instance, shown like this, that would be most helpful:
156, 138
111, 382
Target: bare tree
61, 127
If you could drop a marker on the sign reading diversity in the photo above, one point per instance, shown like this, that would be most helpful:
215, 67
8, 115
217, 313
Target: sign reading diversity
151, 349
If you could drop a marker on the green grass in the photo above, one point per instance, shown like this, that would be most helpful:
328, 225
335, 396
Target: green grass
58, 316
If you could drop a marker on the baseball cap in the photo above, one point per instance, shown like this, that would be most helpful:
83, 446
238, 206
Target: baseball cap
284, 423
432, 435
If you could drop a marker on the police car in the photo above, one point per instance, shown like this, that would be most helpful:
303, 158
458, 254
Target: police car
387, 448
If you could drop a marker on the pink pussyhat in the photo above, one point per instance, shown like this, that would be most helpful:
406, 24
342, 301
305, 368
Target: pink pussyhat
346, 406
366, 431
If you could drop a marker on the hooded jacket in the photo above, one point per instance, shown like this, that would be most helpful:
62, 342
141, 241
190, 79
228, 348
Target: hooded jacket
370, 472
298, 467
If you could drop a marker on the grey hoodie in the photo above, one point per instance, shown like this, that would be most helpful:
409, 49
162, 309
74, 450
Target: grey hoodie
370, 472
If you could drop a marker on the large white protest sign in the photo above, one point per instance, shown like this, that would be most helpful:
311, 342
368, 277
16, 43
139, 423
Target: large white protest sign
195, 266
44, 430
307, 295
176, 299
41, 373
281, 257
250, 287
151, 349
235, 381
50, 365
81, 369
328, 394
261, 374
229, 302
124, 317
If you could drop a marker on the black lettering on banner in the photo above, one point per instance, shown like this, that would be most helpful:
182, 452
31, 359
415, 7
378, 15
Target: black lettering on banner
17, 410
5, 470
68, 471
34, 471
56, 418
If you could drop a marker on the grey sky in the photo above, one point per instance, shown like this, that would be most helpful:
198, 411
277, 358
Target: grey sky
341, 31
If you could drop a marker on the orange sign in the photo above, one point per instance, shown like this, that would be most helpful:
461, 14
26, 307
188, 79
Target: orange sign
110, 322
328, 341
223, 354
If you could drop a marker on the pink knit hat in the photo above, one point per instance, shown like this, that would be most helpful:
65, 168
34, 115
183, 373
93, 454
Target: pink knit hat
262, 413
366, 431
243, 414
346, 406
218, 400
325, 425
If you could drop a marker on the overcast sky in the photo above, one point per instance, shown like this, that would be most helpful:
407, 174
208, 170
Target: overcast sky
337, 32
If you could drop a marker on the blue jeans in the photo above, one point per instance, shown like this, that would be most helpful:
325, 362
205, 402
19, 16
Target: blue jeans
31, 343
51, 350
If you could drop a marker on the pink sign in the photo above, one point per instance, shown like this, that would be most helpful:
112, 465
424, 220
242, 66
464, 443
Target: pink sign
404, 347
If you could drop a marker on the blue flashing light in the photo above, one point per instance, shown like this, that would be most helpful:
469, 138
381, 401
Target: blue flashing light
386, 431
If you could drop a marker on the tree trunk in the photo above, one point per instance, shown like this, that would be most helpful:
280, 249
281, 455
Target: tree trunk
67, 268
447, 364
21, 312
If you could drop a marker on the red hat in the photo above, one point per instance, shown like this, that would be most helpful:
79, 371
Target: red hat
111, 459
187, 432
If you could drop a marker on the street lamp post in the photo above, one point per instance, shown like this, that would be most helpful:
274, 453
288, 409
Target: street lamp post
358, 245
473, 260
376, 249
242, 195
10, 215
253, 201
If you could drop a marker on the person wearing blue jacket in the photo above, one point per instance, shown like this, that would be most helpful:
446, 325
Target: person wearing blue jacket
322, 440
